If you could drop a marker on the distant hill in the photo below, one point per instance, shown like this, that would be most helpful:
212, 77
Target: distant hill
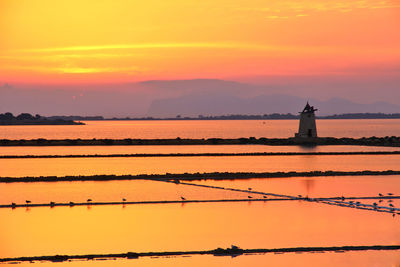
217, 104
169, 98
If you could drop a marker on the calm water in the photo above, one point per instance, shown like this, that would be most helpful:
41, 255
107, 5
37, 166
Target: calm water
200, 129
348, 259
356, 186
161, 165
200, 226
106, 150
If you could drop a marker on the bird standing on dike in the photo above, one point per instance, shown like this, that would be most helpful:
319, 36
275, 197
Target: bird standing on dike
27, 201
89, 200
183, 198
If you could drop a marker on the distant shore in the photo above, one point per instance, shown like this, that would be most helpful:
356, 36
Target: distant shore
27, 119
390, 141
273, 116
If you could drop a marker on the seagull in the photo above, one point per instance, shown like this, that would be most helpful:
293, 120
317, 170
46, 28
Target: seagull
89, 200
183, 198
391, 205
249, 196
52, 203
380, 195
71, 203
264, 196
27, 201
124, 199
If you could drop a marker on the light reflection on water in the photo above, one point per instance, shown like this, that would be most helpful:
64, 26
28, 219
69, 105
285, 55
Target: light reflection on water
328, 259
106, 150
200, 226
112, 191
160, 165
201, 129
354, 186
331, 259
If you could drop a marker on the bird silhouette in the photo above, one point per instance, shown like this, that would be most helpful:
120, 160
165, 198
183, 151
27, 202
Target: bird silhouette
250, 188
264, 196
124, 199
183, 198
391, 205
52, 203
71, 203
27, 201
390, 194
249, 196
89, 200
380, 195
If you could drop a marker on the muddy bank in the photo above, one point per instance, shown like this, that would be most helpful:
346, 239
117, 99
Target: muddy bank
202, 155
176, 177
392, 141
232, 251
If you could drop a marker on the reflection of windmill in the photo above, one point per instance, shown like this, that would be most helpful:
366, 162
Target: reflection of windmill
307, 126
309, 185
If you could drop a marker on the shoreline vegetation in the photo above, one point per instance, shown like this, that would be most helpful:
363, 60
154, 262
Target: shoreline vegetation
273, 116
390, 141
27, 119
232, 251
202, 155
177, 177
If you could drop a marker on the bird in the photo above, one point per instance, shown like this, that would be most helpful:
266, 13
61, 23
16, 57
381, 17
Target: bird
343, 198
390, 194
124, 199
13, 204
183, 198
52, 203
390, 200
89, 200
27, 201
264, 196
249, 196
380, 195
71, 203
250, 188
391, 205
299, 195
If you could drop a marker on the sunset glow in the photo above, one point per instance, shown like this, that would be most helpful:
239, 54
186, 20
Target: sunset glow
118, 41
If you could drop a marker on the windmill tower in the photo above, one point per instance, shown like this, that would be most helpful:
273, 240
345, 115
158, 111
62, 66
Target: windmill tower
307, 126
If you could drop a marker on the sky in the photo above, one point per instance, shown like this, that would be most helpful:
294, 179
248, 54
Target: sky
114, 41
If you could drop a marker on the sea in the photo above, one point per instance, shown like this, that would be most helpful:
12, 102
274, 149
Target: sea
103, 229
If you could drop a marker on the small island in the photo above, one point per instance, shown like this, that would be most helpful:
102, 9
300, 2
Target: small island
27, 119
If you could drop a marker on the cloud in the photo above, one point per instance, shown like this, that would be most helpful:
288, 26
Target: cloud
129, 46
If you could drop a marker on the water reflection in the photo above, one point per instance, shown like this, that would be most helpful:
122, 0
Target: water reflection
106, 150
200, 129
161, 165
348, 259
198, 226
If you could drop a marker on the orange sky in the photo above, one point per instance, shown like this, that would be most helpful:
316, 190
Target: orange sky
98, 41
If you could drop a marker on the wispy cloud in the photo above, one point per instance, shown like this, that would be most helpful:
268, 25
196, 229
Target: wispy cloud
129, 46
